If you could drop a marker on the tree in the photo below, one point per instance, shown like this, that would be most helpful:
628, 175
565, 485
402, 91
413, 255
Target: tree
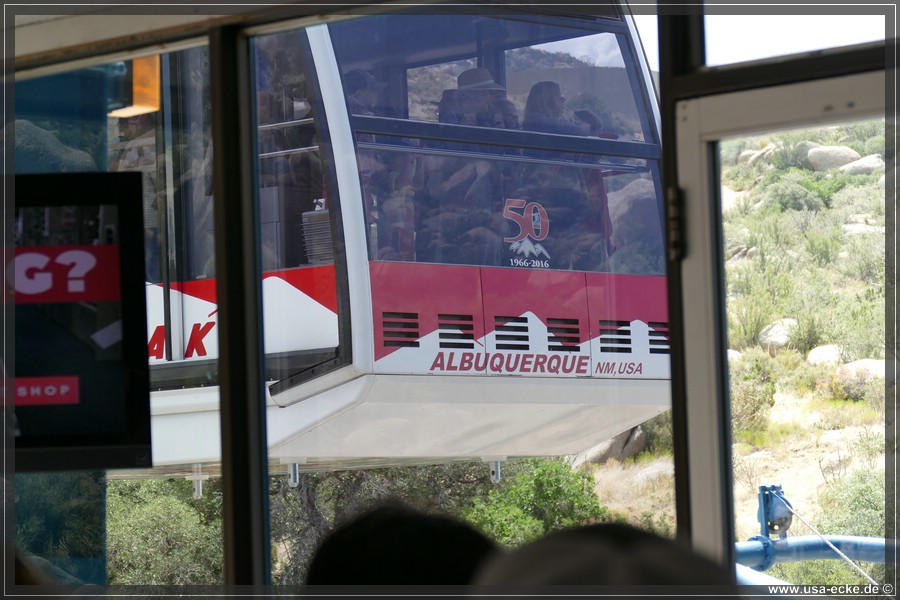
543, 495
159, 535
301, 517
59, 517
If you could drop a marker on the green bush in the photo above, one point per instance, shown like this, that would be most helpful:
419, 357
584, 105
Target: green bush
860, 326
744, 177
822, 248
546, 495
873, 145
807, 334
746, 320
659, 434
791, 195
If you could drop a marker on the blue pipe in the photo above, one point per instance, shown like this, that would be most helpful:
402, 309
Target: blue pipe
761, 552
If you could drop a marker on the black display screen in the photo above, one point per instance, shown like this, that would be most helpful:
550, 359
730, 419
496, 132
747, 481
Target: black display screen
81, 385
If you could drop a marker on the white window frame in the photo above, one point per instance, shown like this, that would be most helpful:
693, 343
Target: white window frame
700, 123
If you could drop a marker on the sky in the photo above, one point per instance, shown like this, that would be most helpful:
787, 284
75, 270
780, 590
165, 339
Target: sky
737, 38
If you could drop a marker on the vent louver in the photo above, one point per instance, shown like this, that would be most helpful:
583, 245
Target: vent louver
659, 338
615, 336
512, 333
401, 330
456, 331
563, 335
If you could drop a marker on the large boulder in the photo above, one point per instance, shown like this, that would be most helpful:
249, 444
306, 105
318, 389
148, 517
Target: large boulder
863, 369
777, 335
829, 354
745, 156
826, 158
762, 155
627, 444
801, 151
863, 166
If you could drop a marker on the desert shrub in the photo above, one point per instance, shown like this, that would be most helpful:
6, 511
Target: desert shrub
855, 505
789, 151
860, 326
864, 261
752, 390
863, 196
851, 388
789, 194
750, 404
811, 307
869, 446
660, 524
768, 278
746, 320
822, 248
743, 177
807, 334
809, 378
659, 433
874, 395
863, 131
873, 145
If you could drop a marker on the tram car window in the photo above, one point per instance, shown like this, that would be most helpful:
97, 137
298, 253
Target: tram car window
504, 142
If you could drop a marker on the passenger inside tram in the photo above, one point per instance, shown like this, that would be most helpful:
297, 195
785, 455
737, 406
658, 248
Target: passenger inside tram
570, 234
363, 91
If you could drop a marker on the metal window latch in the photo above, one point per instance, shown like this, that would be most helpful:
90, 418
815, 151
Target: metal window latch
675, 223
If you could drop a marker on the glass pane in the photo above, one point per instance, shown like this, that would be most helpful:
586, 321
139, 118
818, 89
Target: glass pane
739, 38
295, 202
149, 115
804, 235
491, 206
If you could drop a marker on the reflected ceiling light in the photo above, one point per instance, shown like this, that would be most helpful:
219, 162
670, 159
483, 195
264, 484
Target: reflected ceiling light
144, 86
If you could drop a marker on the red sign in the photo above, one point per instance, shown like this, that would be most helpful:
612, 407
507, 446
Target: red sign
35, 391
58, 274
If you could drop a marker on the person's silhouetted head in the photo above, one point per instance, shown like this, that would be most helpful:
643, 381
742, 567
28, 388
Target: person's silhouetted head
603, 554
395, 545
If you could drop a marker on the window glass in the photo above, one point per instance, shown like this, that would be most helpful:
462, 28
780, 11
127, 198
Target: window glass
297, 208
451, 194
506, 208
149, 115
804, 242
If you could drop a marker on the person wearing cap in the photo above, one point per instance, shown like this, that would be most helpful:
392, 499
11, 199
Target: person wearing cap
476, 91
362, 91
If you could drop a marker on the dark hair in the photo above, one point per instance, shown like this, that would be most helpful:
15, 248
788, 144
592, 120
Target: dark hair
396, 545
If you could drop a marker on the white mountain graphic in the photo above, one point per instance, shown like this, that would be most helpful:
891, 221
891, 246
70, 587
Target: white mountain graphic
528, 248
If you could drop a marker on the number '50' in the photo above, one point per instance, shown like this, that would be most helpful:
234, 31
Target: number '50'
533, 221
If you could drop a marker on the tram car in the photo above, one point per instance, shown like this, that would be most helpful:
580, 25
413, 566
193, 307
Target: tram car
461, 238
